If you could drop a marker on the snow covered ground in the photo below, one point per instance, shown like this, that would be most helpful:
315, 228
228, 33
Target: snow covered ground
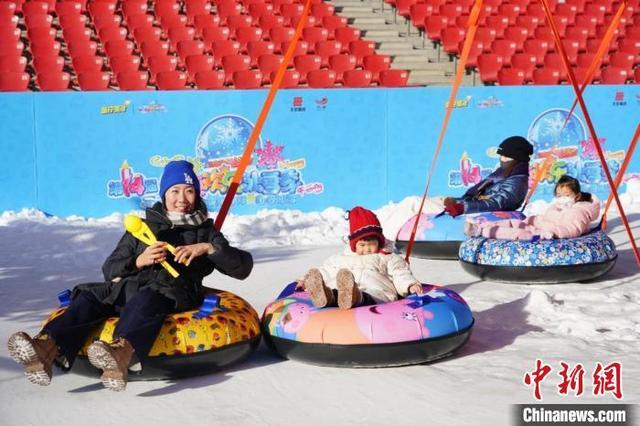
592, 323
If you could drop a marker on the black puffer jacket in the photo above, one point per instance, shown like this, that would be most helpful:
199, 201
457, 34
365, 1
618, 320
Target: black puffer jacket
186, 290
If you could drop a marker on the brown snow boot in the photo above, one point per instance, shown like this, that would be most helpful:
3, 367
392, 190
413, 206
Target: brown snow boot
349, 295
113, 359
36, 354
320, 294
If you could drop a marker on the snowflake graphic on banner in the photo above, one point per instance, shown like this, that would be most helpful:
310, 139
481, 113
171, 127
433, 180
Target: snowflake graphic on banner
546, 130
224, 136
270, 155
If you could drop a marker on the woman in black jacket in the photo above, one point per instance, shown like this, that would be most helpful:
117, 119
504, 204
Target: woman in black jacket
137, 288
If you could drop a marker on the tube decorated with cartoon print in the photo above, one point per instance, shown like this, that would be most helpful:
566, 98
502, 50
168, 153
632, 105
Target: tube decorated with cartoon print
136, 227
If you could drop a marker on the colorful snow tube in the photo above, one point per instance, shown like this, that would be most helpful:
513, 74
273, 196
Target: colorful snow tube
439, 236
413, 330
225, 330
542, 262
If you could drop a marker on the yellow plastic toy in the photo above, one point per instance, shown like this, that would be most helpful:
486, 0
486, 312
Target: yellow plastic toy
141, 231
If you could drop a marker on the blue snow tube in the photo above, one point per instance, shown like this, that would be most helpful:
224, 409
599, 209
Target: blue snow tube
439, 236
541, 262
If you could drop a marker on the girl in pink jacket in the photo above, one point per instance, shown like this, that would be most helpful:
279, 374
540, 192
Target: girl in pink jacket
569, 216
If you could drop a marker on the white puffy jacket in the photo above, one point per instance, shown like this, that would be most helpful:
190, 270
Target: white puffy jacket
382, 275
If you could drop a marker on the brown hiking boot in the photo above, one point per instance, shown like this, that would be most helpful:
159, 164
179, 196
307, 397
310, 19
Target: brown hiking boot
113, 359
36, 354
349, 295
320, 294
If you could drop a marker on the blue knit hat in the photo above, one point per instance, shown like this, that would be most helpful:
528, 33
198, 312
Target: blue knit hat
178, 172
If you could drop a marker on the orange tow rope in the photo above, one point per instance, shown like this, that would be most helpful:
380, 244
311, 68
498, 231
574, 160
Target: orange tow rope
592, 130
621, 172
472, 26
588, 78
245, 160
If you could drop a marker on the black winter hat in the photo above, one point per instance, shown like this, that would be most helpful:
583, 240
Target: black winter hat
516, 147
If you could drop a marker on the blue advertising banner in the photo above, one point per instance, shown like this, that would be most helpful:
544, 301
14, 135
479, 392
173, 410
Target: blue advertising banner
92, 154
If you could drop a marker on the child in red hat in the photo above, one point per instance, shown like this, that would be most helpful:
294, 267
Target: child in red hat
365, 274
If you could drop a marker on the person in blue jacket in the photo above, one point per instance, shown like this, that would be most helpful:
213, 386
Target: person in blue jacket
503, 190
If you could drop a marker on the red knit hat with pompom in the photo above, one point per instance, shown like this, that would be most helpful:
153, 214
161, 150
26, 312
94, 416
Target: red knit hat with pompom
363, 223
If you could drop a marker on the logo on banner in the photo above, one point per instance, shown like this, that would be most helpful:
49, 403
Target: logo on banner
490, 102
618, 99
131, 184
152, 107
115, 109
297, 104
460, 103
321, 104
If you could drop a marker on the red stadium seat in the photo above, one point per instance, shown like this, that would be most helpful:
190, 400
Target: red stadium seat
451, 38
394, 78
11, 34
197, 63
357, 78
13, 64
504, 48
14, 81
450, 11
313, 35
321, 10
342, 63
247, 79
510, 77
197, 7
434, 26
268, 64
139, 21
321, 78
361, 48
346, 35
290, 79
190, 47
529, 22
173, 21
614, 75
489, 64
255, 49
538, 48
307, 63
49, 63
76, 35
93, 81
200, 22
171, 80
134, 7
497, 22
227, 9
142, 34
280, 35
525, 62
211, 79
154, 48
87, 63
11, 49
161, 63
510, 11
233, 63
418, 13
31, 8
133, 80
246, 35
124, 63
224, 48
554, 61
33, 21
486, 35
53, 81
112, 33
623, 60
101, 8
579, 34
301, 48
376, 64
332, 23
213, 34
290, 11
45, 48
7, 9
517, 34
636, 75
258, 10
179, 33
236, 22
268, 22
119, 47
546, 76
166, 8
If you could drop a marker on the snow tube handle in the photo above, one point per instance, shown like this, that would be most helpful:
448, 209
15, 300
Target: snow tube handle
64, 297
210, 302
